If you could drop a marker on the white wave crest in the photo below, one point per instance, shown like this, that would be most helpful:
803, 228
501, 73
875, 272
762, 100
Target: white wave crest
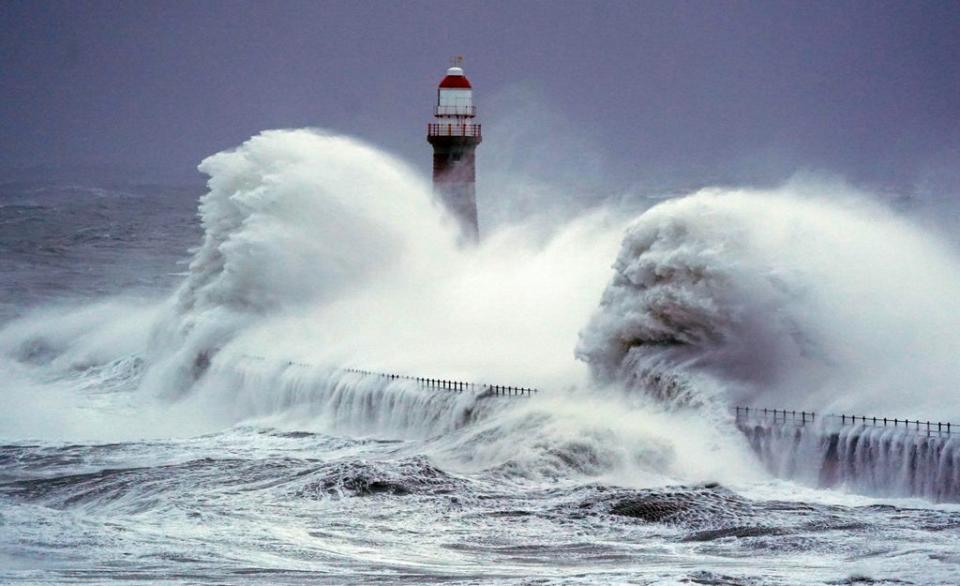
806, 297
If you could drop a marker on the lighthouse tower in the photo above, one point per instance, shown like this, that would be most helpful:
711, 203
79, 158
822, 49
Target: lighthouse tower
455, 135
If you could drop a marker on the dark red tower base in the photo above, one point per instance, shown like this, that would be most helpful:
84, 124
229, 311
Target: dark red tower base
454, 178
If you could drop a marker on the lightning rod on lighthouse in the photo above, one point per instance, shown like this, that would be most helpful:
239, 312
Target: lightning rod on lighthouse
454, 135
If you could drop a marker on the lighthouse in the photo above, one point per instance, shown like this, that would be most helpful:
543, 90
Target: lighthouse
454, 135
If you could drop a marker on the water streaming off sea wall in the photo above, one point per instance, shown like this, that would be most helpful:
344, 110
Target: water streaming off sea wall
876, 460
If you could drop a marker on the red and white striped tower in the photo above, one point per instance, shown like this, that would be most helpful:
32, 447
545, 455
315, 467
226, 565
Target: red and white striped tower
455, 135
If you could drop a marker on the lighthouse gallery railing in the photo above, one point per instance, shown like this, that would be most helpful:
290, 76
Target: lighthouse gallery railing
465, 129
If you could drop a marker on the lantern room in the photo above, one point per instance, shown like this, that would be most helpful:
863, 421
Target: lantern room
454, 95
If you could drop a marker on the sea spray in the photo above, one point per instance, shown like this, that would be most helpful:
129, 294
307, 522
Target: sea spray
806, 297
292, 218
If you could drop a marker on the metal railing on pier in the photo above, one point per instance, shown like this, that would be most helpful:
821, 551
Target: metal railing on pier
451, 385
427, 383
782, 416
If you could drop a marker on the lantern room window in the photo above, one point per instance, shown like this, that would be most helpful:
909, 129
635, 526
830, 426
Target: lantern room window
455, 102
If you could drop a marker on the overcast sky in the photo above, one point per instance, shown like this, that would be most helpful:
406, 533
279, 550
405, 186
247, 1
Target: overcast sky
636, 92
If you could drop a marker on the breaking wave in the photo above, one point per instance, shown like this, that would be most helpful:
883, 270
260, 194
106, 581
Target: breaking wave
807, 297
322, 253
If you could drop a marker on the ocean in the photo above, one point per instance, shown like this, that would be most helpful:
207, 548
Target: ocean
180, 403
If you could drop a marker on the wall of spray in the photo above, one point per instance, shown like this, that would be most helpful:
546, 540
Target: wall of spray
808, 297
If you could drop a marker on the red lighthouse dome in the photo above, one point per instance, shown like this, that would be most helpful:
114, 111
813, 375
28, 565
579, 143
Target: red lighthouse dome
455, 79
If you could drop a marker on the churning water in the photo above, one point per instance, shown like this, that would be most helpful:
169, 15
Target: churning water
196, 422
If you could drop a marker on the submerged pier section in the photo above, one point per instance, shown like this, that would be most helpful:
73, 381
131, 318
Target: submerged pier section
878, 456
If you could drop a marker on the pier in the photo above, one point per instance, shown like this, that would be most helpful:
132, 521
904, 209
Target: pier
744, 415
452, 385
879, 456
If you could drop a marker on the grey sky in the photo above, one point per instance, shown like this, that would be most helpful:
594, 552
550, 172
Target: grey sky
662, 92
